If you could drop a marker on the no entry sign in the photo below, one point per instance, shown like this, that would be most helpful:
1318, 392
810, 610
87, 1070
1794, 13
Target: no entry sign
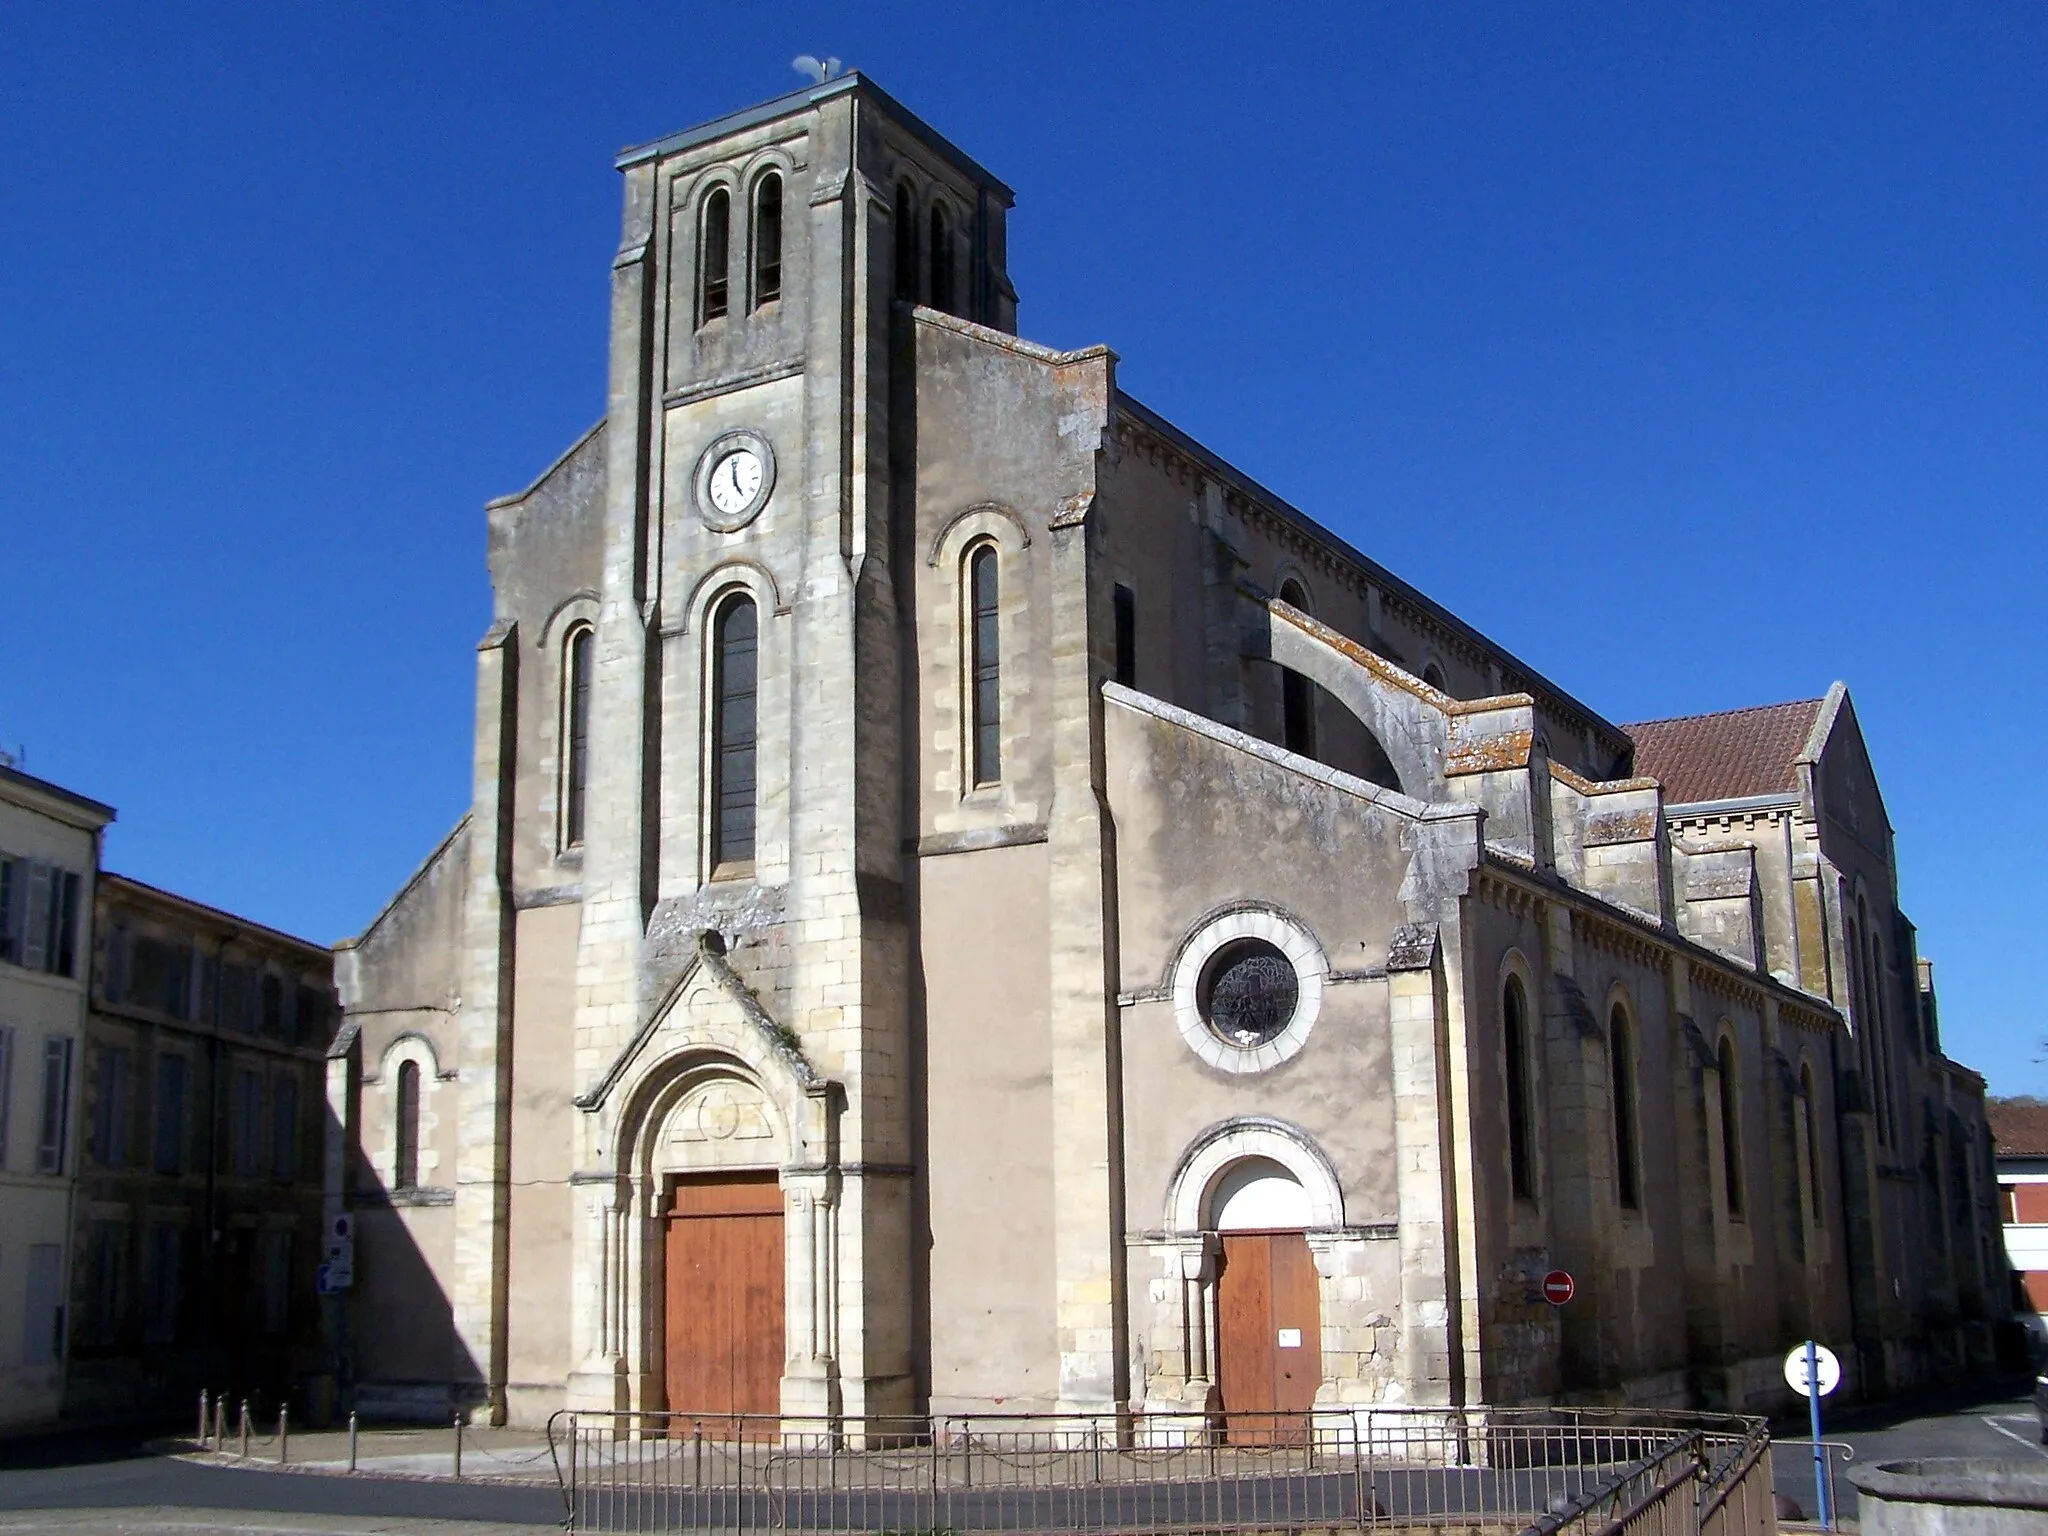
1558, 1288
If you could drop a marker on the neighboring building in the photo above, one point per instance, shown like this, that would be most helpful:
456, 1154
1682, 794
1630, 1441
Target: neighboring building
49, 862
1787, 793
971, 901
203, 1134
2019, 1129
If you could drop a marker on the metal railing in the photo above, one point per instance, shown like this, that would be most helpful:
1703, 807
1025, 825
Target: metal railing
1488, 1471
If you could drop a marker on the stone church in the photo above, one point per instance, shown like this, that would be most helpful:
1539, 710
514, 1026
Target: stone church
971, 903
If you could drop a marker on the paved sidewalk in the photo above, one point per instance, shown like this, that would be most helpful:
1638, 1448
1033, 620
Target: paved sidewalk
488, 1455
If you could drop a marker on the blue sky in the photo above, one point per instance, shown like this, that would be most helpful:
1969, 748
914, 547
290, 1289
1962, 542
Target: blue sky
1697, 353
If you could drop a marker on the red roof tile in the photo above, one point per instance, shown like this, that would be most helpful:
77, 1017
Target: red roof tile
2018, 1128
1724, 756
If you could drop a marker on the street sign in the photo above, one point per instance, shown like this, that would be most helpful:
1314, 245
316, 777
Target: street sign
339, 1272
1558, 1288
335, 1278
1827, 1370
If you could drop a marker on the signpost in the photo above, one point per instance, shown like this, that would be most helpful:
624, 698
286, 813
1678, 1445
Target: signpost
338, 1273
1813, 1372
1558, 1287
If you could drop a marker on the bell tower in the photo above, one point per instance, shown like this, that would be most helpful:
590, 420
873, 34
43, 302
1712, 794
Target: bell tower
743, 852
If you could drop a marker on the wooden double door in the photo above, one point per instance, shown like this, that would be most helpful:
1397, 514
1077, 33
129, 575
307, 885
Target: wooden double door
724, 1298
1268, 1336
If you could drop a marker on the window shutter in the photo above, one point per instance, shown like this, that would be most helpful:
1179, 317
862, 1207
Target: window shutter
11, 909
56, 1105
6, 1087
36, 943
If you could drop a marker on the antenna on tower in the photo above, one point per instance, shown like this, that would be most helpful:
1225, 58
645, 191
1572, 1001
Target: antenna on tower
818, 71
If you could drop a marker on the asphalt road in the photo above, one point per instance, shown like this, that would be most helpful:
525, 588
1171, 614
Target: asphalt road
137, 1490
1989, 1421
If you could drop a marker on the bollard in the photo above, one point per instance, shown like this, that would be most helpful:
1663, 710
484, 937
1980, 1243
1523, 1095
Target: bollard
458, 1447
696, 1455
220, 1421
283, 1431
205, 1415
245, 1427
351, 1439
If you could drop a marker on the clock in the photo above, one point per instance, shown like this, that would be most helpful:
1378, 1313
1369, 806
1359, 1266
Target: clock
734, 477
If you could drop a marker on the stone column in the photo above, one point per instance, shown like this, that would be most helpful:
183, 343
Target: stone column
1429, 1299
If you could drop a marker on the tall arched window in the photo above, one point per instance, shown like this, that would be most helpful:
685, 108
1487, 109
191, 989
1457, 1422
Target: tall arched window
1297, 693
768, 240
405, 1164
1731, 1127
714, 248
1621, 1069
1809, 1143
1880, 1041
576, 670
941, 259
1515, 1039
985, 663
1433, 675
906, 242
734, 734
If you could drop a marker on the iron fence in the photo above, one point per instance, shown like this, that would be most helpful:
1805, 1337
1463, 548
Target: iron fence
1492, 1472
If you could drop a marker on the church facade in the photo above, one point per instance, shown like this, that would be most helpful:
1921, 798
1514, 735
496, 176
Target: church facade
971, 903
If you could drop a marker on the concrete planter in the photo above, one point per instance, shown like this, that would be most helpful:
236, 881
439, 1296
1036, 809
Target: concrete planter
1952, 1496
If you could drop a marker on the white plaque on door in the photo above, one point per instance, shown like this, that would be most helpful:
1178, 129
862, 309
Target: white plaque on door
1290, 1338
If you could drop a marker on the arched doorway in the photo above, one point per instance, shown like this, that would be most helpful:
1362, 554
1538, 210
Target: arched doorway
1268, 1308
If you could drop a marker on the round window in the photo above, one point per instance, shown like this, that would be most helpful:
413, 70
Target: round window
1248, 993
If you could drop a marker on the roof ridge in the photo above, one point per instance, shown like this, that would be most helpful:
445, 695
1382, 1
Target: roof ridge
1723, 714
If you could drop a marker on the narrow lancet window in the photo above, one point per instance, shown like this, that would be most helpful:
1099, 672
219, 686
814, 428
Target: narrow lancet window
576, 729
713, 250
1297, 693
906, 243
985, 641
406, 1163
1125, 604
1731, 1127
768, 240
942, 259
1621, 1065
734, 734
1515, 1029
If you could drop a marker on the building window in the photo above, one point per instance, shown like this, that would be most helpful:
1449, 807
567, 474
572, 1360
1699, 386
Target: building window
1297, 693
906, 242
273, 1007
1124, 605
169, 1150
1621, 1066
42, 1327
768, 240
1731, 1127
56, 1104
39, 916
985, 663
238, 998
713, 249
576, 664
6, 1088
735, 726
160, 977
312, 1015
1809, 1143
405, 1168
1515, 1040
108, 1142
1433, 675
163, 1281
284, 1128
247, 1123
100, 1298
941, 259
1248, 993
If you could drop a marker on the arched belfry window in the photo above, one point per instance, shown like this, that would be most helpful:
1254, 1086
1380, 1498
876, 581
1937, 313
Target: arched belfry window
1514, 1020
985, 663
906, 242
1809, 1142
735, 648
941, 259
405, 1162
1297, 693
576, 683
1731, 1126
714, 249
1621, 1068
768, 240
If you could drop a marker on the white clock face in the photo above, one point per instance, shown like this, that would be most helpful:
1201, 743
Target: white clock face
735, 481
